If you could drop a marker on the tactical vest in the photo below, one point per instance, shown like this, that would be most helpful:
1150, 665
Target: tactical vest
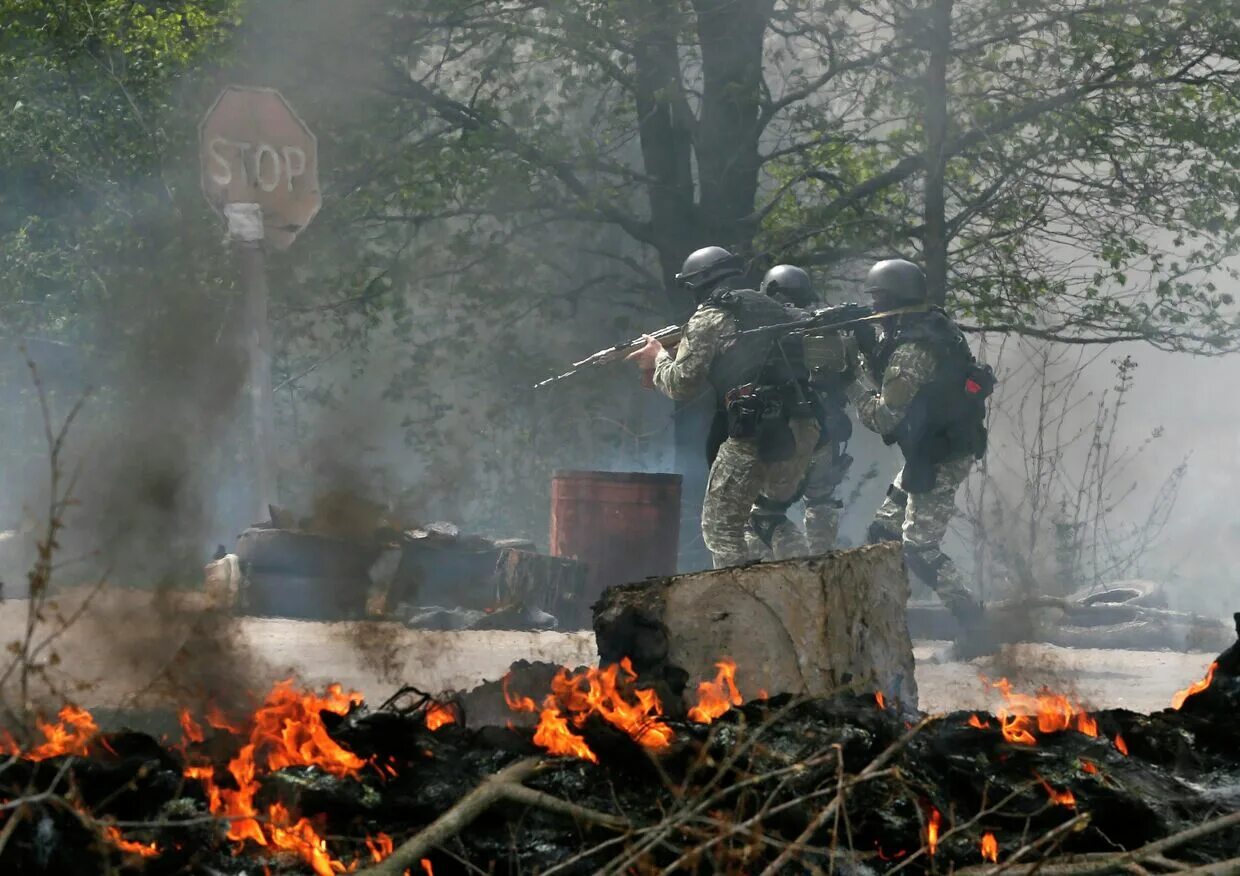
776, 360
946, 418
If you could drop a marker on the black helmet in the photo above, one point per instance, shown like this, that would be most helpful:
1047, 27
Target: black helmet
896, 282
789, 284
707, 266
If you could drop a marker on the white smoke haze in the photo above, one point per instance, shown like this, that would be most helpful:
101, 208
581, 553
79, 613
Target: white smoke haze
418, 397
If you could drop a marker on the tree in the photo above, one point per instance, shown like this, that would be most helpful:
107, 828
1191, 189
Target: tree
974, 132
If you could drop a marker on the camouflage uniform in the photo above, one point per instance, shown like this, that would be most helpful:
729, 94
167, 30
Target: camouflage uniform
829, 356
737, 475
920, 519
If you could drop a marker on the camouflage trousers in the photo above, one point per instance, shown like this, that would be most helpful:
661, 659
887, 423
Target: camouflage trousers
921, 520
772, 535
737, 478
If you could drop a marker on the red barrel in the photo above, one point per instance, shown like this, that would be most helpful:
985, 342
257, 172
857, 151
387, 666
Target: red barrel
624, 525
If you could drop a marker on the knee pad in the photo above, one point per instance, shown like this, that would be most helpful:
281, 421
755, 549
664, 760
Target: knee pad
878, 534
925, 563
823, 502
763, 524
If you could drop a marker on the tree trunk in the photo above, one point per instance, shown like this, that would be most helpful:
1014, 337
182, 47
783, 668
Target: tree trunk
935, 237
731, 34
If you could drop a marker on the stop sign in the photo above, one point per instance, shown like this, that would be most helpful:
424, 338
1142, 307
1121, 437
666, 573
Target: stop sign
255, 150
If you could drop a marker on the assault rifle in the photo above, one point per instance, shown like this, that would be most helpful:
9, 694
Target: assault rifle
828, 318
669, 336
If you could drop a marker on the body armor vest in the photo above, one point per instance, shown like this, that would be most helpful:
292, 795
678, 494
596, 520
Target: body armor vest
946, 418
774, 360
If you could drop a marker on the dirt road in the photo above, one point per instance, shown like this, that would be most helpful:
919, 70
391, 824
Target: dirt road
124, 654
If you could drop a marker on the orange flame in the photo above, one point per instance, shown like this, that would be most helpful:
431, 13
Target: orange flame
1050, 712
380, 847
437, 715
1061, 798
880, 699
990, 848
1089, 766
72, 734
932, 830
553, 734
718, 696
575, 696
1177, 701
1121, 745
143, 850
286, 730
217, 720
191, 728
977, 723
426, 867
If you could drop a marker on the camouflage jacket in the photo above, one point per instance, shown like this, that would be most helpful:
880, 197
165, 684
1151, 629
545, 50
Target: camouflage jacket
686, 375
912, 365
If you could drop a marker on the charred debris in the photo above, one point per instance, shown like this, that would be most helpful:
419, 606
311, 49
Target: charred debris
593, 773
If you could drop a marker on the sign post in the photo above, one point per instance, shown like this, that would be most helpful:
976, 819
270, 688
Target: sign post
259, 166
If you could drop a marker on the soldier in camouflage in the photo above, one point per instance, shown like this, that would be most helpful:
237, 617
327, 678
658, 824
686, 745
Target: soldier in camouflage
765, 427
829, 357
929, 399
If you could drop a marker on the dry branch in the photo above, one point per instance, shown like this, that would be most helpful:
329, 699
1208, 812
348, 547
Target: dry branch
504, 785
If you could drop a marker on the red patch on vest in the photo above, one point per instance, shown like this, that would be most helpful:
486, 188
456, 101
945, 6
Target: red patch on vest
971, 386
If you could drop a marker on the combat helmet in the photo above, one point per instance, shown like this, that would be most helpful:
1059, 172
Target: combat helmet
707, 266
789, 284
896, 283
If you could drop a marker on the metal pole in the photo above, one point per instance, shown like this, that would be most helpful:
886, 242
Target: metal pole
245, 231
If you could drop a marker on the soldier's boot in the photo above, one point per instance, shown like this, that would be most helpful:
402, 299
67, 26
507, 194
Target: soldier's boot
888, 522
822, 523
939, 573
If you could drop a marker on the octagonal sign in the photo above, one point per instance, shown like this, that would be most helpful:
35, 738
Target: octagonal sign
255, 150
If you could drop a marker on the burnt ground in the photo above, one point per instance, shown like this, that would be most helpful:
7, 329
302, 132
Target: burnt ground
126, 645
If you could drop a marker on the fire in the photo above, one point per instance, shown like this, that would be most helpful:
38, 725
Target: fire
190, 728
71, 734
380, 847
977, 723
286, 730
1062, 798
932, 830
1196, 687
217, 720
716, 697
1049, 712
878, 698
1121, 745
1089, 766
575, 696
437, 715
143, 850
426, 867
990, 848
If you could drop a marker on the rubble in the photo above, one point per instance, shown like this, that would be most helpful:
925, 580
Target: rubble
852, 782
348, 561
